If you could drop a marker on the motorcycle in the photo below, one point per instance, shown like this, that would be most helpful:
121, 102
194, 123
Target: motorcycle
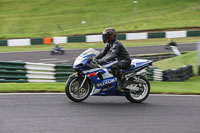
169, 45
92, 79
59, 50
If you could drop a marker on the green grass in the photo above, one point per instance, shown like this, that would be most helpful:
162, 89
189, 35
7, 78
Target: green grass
178, 61
126, 43
41, 18
191, 86
32, 87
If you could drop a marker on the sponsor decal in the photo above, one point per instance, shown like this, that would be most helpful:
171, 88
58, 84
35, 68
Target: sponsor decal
106, 82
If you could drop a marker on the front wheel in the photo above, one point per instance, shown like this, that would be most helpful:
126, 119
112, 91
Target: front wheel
73, 90
138, 96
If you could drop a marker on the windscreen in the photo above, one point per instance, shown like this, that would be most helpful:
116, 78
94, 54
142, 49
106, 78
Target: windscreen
85, 54
89, 52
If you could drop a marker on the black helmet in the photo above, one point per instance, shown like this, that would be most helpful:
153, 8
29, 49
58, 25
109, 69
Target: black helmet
108, 35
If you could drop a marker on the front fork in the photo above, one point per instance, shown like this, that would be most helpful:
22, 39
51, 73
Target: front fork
83, 82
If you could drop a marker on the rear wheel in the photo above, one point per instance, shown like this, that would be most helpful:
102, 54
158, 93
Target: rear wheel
138, 96
73, 90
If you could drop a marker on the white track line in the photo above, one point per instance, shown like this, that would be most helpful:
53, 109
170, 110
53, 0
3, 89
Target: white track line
31, 93
17, 60
171, 95
48, 59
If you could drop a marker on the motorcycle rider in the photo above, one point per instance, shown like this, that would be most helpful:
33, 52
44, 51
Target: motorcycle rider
171, 43
118, 52
57, 47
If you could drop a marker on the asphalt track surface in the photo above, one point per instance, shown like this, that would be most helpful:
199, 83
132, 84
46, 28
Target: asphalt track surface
55, 113
70, 55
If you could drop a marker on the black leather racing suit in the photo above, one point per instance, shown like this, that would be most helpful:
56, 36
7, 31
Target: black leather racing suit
119, 53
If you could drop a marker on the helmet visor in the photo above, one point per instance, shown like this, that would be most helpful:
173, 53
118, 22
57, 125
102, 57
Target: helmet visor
105, 37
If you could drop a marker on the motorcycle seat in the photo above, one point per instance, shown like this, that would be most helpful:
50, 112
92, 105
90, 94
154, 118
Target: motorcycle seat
129, 68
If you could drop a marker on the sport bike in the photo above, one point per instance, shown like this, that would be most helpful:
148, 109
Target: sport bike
59, 50
92, 79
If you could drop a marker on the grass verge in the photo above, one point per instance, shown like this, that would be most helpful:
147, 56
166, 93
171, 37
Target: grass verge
32, 87
41, 18
191, 86
179, 61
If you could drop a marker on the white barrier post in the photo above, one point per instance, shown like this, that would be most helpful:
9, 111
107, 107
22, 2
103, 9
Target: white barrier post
198, 58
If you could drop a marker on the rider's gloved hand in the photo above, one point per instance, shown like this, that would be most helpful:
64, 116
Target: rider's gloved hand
101, 61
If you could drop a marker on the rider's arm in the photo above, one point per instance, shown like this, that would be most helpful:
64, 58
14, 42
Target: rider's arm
114, 53
104, 52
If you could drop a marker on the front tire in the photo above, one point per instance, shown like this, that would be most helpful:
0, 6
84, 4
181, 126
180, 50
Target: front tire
72, 89
143, 92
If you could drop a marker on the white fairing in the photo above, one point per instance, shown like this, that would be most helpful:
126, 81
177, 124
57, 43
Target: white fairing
107, 75
135, 61
82, 56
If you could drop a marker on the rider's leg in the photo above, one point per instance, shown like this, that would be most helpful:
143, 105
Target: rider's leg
124, 64
115, 69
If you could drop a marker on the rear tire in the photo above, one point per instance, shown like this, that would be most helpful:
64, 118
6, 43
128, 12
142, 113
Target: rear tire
72, 91
142, 94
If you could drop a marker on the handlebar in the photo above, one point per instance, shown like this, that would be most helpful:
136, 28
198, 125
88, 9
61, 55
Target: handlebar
94, 62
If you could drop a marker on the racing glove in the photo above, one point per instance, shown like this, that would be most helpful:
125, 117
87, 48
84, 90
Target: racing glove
101, 61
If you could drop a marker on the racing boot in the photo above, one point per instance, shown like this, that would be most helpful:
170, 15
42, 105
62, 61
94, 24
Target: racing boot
119, 86
119, 79
124, 84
